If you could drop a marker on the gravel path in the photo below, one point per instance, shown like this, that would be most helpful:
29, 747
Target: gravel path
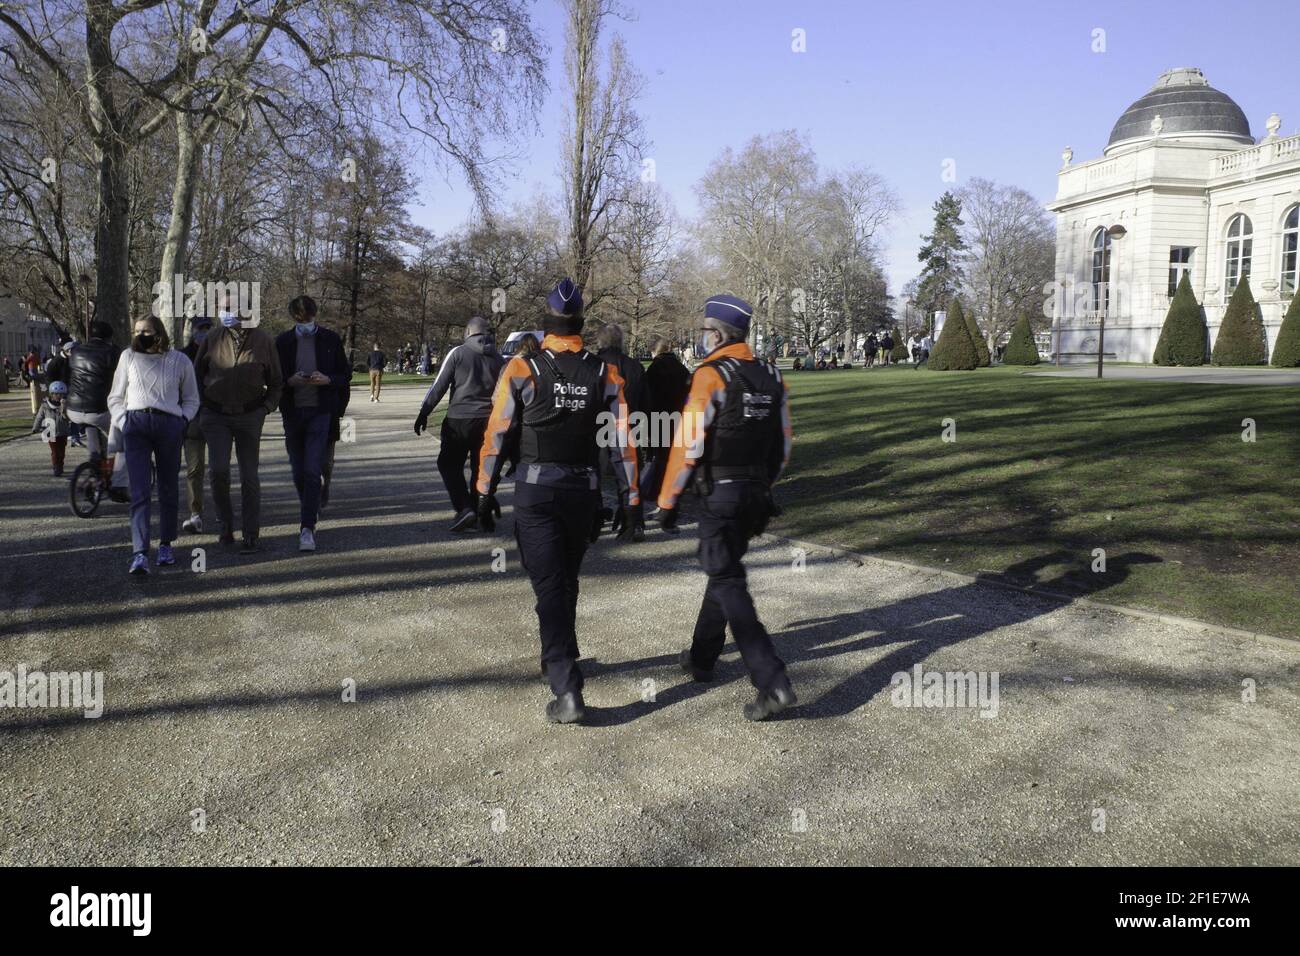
224, 695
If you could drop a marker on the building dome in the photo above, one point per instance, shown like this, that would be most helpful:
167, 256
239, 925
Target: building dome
1187, 107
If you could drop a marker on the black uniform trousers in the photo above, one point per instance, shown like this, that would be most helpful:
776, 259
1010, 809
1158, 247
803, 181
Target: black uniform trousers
552, 529
733, 513
462, 438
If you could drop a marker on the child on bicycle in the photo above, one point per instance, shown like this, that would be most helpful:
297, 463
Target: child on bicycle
53, 426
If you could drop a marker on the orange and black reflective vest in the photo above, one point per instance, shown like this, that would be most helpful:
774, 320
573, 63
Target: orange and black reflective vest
742, 439
560, 422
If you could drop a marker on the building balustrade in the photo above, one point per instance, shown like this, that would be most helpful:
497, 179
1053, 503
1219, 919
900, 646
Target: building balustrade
1266, 153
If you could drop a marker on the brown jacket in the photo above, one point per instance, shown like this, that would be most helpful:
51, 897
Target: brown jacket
233, 382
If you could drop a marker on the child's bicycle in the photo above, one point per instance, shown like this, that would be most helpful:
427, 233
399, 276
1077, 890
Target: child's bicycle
91, 481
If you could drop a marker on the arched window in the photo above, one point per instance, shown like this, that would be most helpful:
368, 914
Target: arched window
1239, 251
1290, 245
1101, 244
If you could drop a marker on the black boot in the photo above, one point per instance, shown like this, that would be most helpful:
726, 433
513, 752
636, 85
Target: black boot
770, 702
686, 664
566, 709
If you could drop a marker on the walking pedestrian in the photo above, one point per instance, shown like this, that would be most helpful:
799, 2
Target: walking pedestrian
153, 397
736, 441
375, 362
469, 374
314, 366
667, 383
53, 426
240, 383
559, 395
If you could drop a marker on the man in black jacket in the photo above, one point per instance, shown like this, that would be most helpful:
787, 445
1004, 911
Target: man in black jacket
90, 368
470, 372
316, 373
667, 383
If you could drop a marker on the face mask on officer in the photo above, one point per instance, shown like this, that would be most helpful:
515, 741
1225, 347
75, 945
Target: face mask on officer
710, 339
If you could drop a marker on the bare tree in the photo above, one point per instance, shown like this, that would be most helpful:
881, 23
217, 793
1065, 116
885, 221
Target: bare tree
606, 136
1012, 244
457, 73
643, 238
759, 209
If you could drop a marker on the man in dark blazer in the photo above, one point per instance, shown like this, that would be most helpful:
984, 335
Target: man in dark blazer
316, 376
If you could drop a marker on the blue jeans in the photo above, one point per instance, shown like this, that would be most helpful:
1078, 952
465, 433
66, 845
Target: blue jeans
306, 436
150, 440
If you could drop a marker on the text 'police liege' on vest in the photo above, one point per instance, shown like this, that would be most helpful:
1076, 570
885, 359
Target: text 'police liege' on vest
570, 395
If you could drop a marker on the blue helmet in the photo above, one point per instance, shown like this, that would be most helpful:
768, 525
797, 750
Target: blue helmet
58, 388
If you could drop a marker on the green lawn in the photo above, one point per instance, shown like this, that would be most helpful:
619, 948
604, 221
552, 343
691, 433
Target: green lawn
1194, 521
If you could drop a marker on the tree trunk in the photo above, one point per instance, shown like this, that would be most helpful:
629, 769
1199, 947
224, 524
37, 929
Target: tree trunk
175, 254
112, 239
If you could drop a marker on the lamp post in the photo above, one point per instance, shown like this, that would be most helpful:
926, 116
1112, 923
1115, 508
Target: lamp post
1113, 234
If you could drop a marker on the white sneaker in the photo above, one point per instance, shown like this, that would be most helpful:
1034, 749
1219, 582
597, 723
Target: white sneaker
194, 525
306, 540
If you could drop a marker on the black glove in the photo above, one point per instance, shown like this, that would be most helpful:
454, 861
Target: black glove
668, 520
488, 512
627, 522
422, 419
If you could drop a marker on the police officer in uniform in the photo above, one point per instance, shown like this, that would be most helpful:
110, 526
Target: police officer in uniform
558, 395
736, 441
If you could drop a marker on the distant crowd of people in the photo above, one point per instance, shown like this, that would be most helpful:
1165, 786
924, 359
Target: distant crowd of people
877, 350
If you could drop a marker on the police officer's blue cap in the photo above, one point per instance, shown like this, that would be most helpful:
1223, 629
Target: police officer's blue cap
729, 310
565, 298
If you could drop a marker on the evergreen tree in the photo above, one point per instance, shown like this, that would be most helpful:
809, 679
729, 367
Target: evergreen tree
1241, 339
941, 252
955, 348
1021, 349
900, 352
977, 336
1286, 350
1183, 337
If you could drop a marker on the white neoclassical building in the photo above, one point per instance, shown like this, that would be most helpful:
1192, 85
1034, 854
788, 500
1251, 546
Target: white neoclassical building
1182, 186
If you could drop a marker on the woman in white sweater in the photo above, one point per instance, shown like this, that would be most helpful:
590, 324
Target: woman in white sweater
154, 396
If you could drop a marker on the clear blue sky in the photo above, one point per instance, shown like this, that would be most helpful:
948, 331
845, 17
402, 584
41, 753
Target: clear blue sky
1001, 88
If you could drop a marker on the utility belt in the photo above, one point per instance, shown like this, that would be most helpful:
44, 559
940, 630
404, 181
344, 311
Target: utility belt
707, 476
552, 474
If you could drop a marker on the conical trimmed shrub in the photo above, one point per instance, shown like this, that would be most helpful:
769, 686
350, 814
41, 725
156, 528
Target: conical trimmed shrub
981, 346
1241, 339
1021, 348
955, 348
1184, 336
900, 352
1286, 350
